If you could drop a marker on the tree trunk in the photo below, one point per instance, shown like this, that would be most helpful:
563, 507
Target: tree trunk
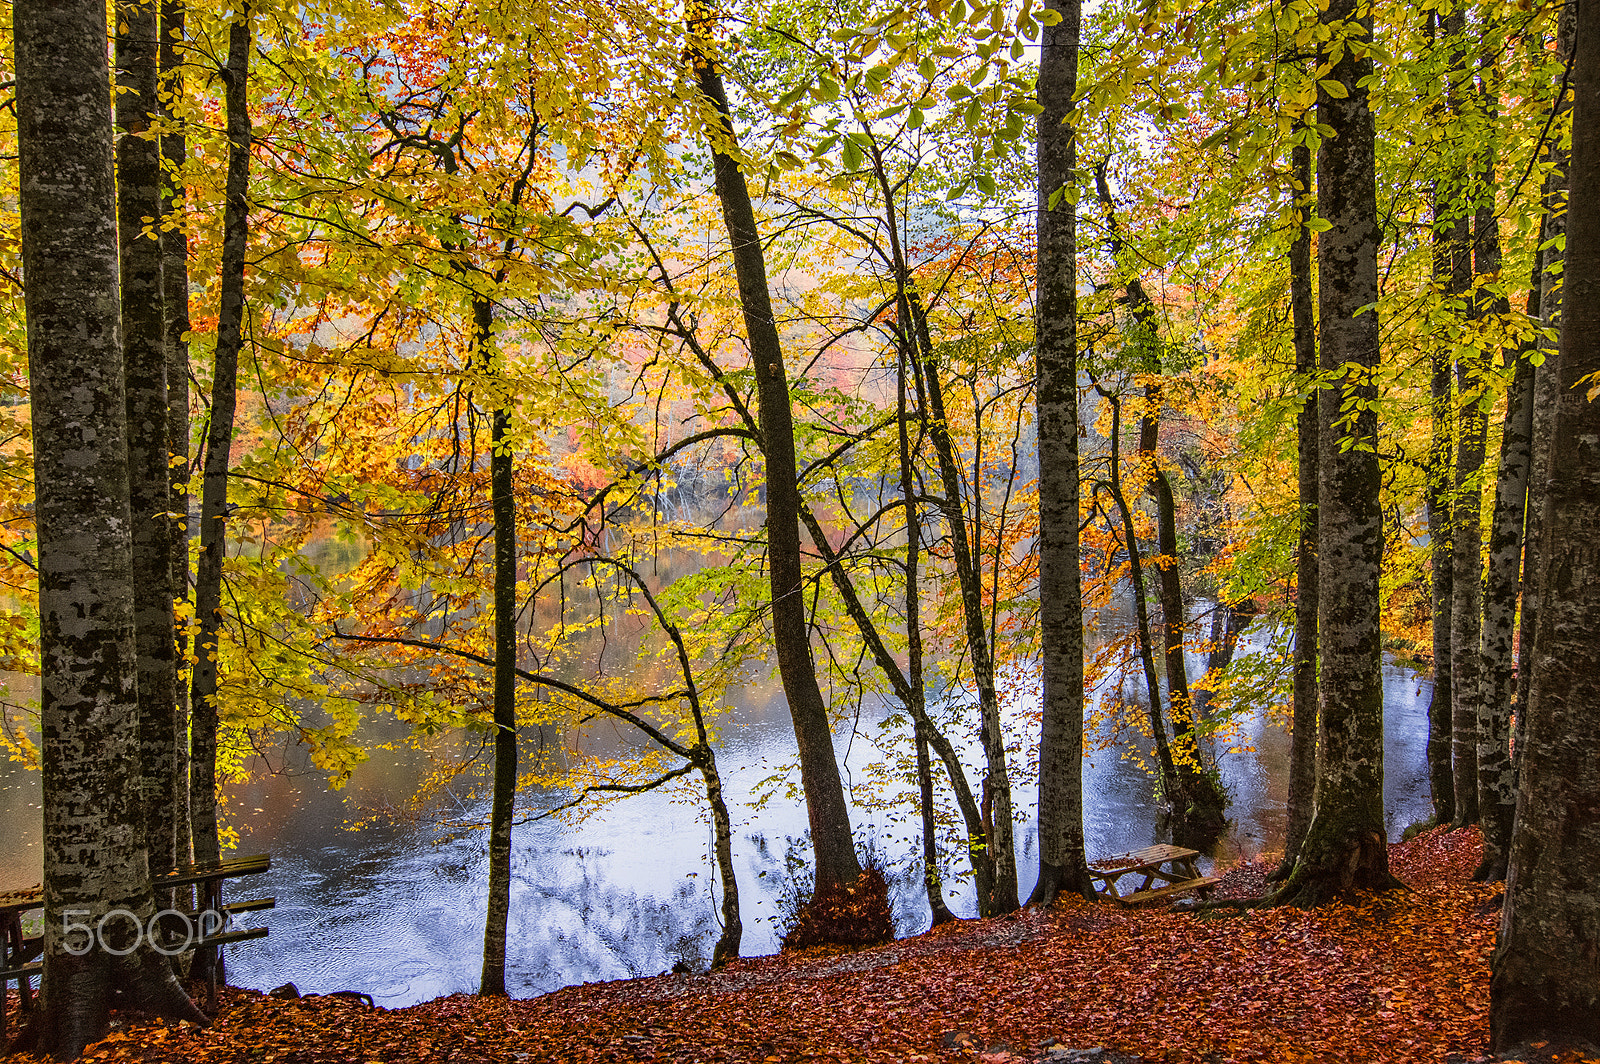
219, 444
502, 505
94, 858
1063, 865
1496, 799
1544, 387
1171, 783
1468, 429
175, 304
1345, 845
1544, 984
917, 695
1449, 236
1303, 734
144, 355
829, 816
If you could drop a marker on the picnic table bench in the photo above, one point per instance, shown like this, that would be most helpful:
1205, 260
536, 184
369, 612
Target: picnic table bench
19, 953
1172, 866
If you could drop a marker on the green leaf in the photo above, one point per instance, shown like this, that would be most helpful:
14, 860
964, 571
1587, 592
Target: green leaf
851, 155
1335, 89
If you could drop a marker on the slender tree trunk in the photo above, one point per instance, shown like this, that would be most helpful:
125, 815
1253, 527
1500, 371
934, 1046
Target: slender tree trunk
917, 696
1001, 852
1496, 799
1544, 985
502, 505
1303, 736
1449, 236
1345, 845
1464, 484
1544, 387
94, 857
829, 816
219, 444
1063, 864
175, 304
1171, 783
727, 947
149, 472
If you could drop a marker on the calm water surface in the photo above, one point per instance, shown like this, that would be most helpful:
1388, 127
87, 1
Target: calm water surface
394, 908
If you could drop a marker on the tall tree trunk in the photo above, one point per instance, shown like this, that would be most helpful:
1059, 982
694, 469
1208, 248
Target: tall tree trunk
144, 355
1544, 384
502, 505
1449, 236
94, 857
1063, 864
1468, 423
829, 816
1496, 799
1345, 845
1303, 736
1001, 849
917, 695
175, 304
1544, 985
219, 445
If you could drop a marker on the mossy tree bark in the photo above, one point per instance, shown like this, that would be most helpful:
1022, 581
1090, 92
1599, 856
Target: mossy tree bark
95, 862
1063, 864
1345, 845
1544, 984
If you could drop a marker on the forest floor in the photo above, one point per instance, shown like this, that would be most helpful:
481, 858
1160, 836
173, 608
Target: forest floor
1398, 977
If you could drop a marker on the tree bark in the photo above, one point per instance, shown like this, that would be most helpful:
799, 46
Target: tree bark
1345, 845
1063, 864
219, 445
1303, 733
175, 305
1544, 984
1449, 236
1544, 386
829, 816
502, 505
139, 183
94, 857
1496, 799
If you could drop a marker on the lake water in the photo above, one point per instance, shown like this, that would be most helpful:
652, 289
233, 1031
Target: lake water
395, 909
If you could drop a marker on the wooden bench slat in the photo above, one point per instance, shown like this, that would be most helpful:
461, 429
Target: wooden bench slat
1158, 893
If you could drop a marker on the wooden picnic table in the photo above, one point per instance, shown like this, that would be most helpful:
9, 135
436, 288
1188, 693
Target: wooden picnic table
1171, 866
18, 957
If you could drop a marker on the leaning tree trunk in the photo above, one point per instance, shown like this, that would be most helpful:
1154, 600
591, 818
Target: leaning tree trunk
175, 303
1496, 799
1303, 733
502, 506
95, 865
144, 355
1345, 845
829, 816
219, 445
1545, 986
1063, 864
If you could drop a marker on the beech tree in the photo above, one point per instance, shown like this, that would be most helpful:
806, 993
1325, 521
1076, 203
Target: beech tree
1544, 986
1345, 844
836, 863
1062, 866
95, 863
